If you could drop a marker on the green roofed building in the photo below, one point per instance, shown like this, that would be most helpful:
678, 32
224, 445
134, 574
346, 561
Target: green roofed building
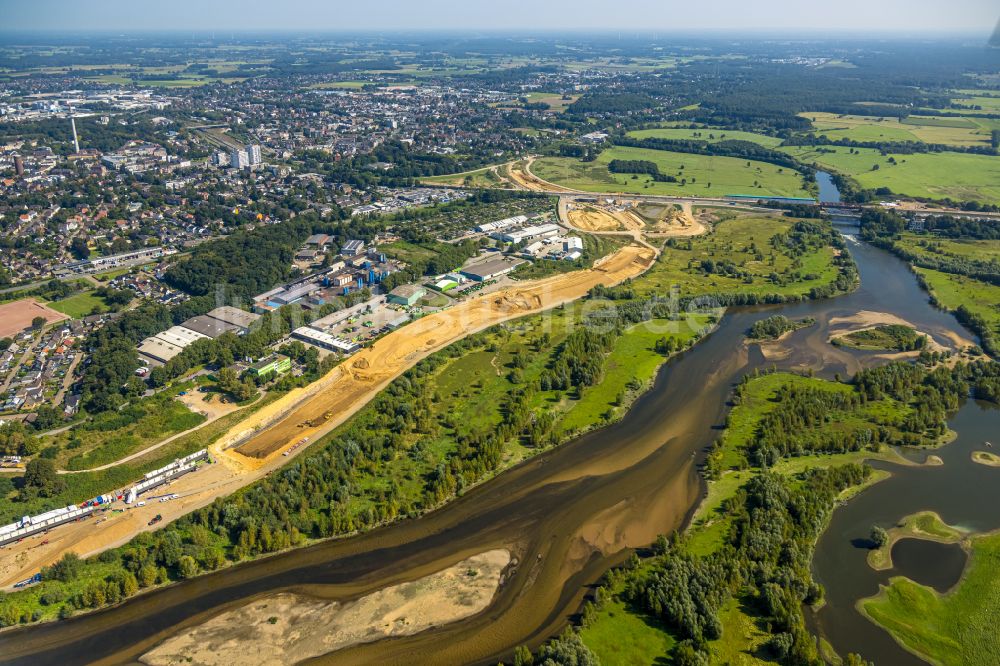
275, 363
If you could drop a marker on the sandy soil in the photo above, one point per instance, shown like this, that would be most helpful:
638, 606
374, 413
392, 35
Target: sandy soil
590, 218
522, 177
679, 223
208, 404
986, 458
263, 436
17, 315
865, 320
287, 628
344, 392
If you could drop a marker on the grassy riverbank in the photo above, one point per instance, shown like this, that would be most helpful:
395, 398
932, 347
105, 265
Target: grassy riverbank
754, 258
814, 436
954, 628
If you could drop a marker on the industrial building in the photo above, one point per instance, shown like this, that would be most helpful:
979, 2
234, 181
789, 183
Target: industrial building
325, 340
209, 326
235, 316
164, 346
528, 233
502, 224
277, 364
353, 248
406, 294
491, 268
158, 351
180, 336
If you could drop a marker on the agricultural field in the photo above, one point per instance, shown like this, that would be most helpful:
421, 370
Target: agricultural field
932, 247
989, 104
954, 628
555, 101
956, 176
738, 257
698, 175
708, 134
926, 129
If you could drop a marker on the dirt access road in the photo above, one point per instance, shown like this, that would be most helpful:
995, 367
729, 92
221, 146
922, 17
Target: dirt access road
262, 438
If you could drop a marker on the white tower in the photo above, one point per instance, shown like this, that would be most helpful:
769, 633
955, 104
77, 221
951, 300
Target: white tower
76, 141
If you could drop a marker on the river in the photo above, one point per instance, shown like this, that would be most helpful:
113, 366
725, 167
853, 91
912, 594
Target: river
568, 515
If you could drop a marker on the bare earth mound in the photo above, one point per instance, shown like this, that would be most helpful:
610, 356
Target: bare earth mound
287, 628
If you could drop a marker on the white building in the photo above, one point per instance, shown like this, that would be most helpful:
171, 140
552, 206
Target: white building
239, 159
324, 340
253, 152
529, 233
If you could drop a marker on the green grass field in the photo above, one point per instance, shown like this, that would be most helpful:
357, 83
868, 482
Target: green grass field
953, 290
555, 101
80, 305
711, 135
485, 177
927, 129
954, 628
958, 176
706, 175
732, 240
623, 637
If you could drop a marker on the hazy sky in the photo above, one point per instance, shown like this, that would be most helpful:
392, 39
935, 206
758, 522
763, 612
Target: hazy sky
663, 15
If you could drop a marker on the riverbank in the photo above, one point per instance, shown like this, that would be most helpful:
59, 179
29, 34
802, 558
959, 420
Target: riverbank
718, 526
289, 628
585, 531
958, 627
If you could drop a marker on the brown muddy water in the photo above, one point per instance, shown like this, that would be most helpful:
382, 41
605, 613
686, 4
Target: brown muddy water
567, 515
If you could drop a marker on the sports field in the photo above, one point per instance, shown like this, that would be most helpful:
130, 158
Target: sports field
17, 315
926, 129
702, 175
80, 305
947, 175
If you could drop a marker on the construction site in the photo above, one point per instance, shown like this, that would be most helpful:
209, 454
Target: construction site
271, 436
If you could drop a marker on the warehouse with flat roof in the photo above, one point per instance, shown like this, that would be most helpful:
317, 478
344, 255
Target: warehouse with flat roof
406, 294
491, 268
234, 316
158, 351
325, 340
180, 336
209, 326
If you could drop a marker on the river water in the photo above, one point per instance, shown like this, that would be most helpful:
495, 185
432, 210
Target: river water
572, 513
